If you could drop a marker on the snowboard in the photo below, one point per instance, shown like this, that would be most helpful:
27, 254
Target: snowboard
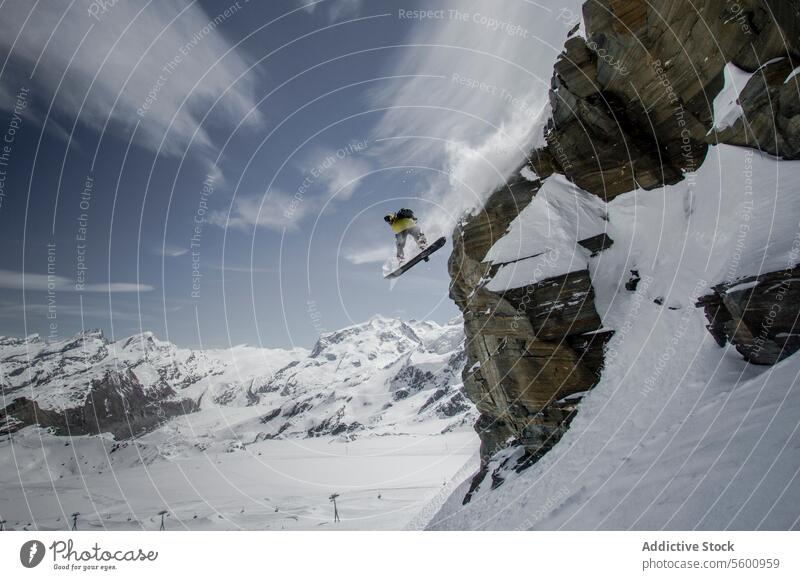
423, 255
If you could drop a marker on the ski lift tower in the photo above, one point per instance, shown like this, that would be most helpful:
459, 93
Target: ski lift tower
335, 509
162, 513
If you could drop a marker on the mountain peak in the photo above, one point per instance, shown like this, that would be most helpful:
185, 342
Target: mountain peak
377, 334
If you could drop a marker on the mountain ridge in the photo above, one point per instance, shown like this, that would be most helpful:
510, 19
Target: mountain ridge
141, 382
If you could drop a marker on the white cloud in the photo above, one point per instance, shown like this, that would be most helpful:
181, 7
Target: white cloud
478, 119
308, 5
170, 250
216, 176
14, 280
344, 8
372, 255
241, 269
343, 179
332, 178
338, 174
276, 210
117, 47
7, 98
337, 9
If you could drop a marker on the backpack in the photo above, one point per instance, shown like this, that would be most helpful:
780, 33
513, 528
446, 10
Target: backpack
405, 213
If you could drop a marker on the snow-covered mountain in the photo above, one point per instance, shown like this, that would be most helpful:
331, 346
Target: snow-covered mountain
383, 373
238, 438
87, 384
381, 377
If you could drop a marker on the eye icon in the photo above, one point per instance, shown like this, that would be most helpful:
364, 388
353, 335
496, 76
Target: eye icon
31, 553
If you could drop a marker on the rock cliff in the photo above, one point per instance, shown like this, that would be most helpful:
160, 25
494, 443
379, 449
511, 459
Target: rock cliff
637, 98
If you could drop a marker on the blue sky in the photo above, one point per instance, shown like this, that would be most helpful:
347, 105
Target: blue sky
217, 172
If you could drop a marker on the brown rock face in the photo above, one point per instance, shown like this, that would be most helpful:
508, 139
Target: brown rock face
521, 365
550, 313
632, 107
760, 315
633, 102
771, 106
116, 404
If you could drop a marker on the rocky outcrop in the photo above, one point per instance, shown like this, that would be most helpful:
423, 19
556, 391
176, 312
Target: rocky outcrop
632, 102
116, 403
530, 350
758, 315
557, 307
770, 105
632, 106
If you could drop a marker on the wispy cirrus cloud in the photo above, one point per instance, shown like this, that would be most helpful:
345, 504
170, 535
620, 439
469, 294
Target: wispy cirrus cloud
159, 64
6, 96
15, 280
477, 121
309, 6
275, 210
338, 176
344, 8
228, 269
170, 250
331, 178
335, 9
373, 255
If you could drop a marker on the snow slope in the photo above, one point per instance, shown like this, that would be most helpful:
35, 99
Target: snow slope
679, 433
727, 109
542, 241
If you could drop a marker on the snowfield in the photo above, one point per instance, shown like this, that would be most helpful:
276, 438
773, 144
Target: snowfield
679, 433
384, 482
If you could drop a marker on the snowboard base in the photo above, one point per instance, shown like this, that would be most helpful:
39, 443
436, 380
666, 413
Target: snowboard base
423, 255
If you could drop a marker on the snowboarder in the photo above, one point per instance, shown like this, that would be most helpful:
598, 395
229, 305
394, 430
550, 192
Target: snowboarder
403, 224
